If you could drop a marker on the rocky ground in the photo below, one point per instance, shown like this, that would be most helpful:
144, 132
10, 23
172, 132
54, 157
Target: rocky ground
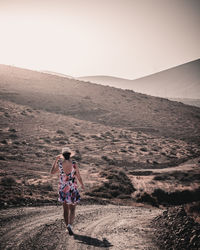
176, 230
137, 155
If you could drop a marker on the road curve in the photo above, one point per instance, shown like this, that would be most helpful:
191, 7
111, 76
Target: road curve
95, 227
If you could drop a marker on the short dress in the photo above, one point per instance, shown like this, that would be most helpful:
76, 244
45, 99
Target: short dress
68, 189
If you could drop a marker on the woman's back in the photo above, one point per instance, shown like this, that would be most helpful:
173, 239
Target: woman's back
67, 166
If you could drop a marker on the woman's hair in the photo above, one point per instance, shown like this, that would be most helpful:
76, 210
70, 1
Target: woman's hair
66, 155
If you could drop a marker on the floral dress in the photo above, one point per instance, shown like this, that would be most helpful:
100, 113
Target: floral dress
68, 189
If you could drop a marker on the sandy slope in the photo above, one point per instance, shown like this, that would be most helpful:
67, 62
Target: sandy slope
182, 81
95, 227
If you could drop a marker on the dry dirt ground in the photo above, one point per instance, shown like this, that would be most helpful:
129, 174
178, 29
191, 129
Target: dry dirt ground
95, 227
30, 140
117, 135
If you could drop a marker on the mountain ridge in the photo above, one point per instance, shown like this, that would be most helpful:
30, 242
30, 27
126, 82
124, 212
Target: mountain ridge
99, 104
182, 81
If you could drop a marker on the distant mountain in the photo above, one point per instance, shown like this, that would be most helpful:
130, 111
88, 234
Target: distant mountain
179, 82
99, 104
108, 81
56, 73
188, 101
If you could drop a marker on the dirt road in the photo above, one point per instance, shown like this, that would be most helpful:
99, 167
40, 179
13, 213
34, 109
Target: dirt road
95, 227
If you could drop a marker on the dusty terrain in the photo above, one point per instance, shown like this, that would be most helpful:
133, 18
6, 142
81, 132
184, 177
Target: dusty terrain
100, 104
127, 155
95, 227
30, 140
176, 230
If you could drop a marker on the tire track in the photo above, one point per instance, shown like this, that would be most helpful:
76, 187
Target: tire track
95, 227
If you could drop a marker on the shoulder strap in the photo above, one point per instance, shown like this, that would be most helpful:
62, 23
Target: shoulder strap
74, 164
60, 166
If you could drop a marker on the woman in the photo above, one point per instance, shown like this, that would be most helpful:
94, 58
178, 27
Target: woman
68, 191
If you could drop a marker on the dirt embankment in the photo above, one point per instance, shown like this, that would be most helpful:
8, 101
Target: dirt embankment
176, 230
95, 227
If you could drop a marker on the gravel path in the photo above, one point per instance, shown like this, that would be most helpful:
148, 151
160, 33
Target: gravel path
95, 227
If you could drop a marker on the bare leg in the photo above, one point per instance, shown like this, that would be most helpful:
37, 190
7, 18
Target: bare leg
72, 213
66, 213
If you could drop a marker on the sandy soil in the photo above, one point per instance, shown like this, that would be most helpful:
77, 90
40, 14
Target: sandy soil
95, 227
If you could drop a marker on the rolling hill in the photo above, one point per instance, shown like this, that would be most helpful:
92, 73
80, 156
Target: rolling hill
179, 82
121, 138
129, 151
100, 104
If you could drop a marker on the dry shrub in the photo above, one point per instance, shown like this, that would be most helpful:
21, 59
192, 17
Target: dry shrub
147, 198
177, 175
46, 187
108, 160
60, 132
161, 197
8, 181
144, 149
141, 173
118, 185
177, 197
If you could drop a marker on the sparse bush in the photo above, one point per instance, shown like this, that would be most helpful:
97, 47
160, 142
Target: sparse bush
47, 140
118, 184
141, 173
55, 151
108, 160
161, 177
38, 154
77, 156
13, 136
8, 181
46, 187
177, 197
99, 194
16, 142
179, 176
61, 132
96, 137
62, 142
144, 149
12, 130
147, 198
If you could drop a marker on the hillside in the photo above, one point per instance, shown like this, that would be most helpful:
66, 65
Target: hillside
109, 81
188, 101
100, 104
179, 82
129, 150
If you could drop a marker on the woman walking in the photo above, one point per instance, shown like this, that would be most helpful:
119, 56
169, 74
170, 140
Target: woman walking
68, 189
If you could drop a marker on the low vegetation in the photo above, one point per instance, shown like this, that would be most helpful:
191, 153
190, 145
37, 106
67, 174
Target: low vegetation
116, 185
182, 177
161, 197
15, 193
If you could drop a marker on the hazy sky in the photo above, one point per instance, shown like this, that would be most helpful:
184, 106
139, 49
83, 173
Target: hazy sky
124, 38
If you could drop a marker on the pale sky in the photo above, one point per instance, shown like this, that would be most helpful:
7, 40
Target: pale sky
123, 38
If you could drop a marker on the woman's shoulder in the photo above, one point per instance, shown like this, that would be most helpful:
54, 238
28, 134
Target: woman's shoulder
74, 163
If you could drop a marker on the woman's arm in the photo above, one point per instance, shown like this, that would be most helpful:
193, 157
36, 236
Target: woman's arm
55, 168
78, 175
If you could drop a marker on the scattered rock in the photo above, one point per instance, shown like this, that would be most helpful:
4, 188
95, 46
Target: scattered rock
176, 230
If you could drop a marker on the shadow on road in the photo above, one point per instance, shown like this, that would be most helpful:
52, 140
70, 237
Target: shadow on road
87, 240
